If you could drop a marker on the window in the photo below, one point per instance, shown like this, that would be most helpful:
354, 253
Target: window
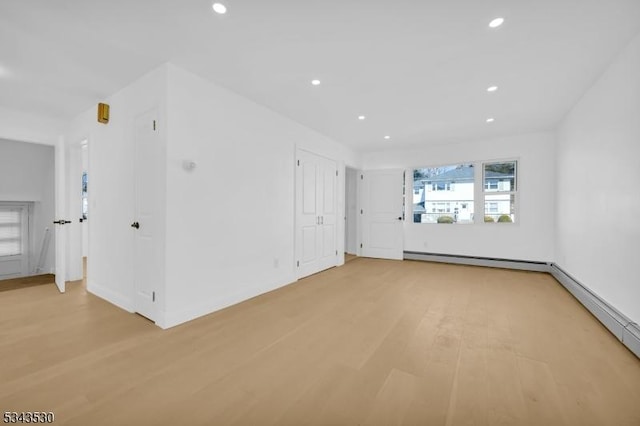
85, 200
500, 186
11, 230
14, 238
441, 186
490, 185
443, 194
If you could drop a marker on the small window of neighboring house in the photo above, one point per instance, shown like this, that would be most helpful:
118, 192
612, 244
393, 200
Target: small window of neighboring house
500, 191
441, 186
491, 185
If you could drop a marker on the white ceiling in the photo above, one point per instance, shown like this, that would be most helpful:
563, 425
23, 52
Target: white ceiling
418, 69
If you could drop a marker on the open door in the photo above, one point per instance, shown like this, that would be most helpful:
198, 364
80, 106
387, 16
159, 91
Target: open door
61, 215
383, 214
73, 231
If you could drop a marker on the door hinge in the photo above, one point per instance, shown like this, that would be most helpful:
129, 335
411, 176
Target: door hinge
154, 124
336, 252
336, 173
298, 264
298, 162
153, 296
361, 211
360, 245
361, 177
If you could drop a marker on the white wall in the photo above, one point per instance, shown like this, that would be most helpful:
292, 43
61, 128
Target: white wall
598, 196
230, 232
531, 238
22, 126
26, 174
111, 196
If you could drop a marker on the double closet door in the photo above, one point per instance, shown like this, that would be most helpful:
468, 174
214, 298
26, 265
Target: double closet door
316, 213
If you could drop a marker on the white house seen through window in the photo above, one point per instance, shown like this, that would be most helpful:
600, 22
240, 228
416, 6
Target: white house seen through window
500, 186
443, 194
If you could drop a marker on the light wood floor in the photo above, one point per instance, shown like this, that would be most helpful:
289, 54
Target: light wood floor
373, 342
15, 283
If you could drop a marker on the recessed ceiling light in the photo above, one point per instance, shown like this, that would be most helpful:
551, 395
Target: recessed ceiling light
361, 117
496, 22
219, 8
315, 82
387, 137
491, 120
492, 88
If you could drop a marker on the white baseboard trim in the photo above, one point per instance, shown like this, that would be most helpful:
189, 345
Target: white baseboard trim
617, 323
490, 262
171, 319
110, 296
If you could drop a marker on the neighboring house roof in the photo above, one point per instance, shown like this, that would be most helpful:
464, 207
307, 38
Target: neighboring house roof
463, 174
456, 175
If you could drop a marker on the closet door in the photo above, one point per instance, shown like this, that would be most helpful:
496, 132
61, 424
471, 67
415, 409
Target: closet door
316, 217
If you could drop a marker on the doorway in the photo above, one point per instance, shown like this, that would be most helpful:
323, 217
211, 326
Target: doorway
78, 209
351, 215
26, 209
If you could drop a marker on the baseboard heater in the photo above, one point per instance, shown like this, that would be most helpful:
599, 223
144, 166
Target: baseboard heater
617, 323
490, 262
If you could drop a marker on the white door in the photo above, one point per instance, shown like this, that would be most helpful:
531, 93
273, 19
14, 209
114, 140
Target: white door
74, 197
147, 252
316, 213
383, 214
328, 227
61, 220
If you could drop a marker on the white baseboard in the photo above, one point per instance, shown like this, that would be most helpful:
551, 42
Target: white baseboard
110, 296
171, 319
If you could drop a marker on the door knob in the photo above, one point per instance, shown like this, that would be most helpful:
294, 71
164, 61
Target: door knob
135, 225
400, 218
